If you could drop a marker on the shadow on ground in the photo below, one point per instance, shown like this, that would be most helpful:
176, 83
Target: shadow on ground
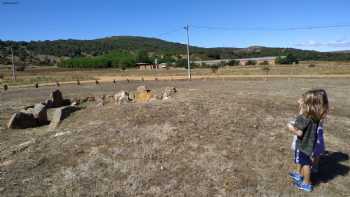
331, 167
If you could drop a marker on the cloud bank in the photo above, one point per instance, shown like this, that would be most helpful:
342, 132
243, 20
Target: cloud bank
334, 44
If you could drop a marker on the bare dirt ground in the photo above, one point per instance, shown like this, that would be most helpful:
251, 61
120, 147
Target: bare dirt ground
213, 138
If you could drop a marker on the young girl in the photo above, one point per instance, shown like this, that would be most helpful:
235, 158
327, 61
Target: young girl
319, 148
313, 107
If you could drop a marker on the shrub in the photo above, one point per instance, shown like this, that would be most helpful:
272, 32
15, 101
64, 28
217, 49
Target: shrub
194, 65
289, 59
112, 59
266, 69
250, 62
181, 63
234, 63
222, 63
20, 67
214, 68
311, 65
264, 63
204, 65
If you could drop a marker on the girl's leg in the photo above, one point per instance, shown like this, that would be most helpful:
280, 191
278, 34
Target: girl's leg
306, 173
299, 169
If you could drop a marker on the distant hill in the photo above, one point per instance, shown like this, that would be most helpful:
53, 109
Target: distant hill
53, 52
343, 51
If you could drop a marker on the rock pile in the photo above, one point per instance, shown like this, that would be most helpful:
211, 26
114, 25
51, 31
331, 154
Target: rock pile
36, 115
168, 92
143, 94
122, 97
101, 101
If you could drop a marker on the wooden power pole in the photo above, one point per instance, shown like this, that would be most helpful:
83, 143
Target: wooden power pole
13, 66
188, 53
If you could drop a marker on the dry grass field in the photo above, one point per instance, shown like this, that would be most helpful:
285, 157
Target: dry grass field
43, 75
213, 138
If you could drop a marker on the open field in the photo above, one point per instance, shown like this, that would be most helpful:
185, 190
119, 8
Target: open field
51, 74
213, 138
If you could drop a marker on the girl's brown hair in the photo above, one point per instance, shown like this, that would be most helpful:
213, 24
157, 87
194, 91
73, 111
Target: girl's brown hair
315, 104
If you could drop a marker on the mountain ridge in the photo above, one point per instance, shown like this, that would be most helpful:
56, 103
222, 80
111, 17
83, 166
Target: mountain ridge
50, 52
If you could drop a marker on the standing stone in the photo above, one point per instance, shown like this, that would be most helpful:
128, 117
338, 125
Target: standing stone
121, 97
57, 98
144, 96
100, 101
49, 103
142, 89
168, 92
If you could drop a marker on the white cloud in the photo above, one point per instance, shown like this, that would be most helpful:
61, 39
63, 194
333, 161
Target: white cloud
334, 44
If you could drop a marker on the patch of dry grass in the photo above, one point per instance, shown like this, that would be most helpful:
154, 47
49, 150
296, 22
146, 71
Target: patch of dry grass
52, 74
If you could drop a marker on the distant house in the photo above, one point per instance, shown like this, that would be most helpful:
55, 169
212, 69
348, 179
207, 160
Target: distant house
163, 65
147, 66
258, 60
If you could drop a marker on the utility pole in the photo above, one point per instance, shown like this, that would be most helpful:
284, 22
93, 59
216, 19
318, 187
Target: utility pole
188, 52
13, 66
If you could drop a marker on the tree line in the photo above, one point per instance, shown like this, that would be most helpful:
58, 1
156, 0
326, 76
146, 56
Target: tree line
77, 53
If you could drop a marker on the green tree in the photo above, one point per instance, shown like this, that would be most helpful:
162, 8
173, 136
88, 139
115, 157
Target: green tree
181, 63
214, 68
289, 59
233, 63
142, 57
264, 63
250, 62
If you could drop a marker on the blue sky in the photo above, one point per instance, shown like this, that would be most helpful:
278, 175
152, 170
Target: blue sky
88, 19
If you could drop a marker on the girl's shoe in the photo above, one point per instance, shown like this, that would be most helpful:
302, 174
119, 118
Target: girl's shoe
296, 177
303, 186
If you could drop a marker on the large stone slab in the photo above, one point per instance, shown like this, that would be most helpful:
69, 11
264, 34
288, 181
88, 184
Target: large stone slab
22, 120
60, 114
40, 113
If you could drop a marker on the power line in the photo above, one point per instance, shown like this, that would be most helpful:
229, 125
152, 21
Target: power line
311, 27
170, 32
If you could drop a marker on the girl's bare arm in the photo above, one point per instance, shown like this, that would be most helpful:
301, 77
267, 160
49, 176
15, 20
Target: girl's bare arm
294, 130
